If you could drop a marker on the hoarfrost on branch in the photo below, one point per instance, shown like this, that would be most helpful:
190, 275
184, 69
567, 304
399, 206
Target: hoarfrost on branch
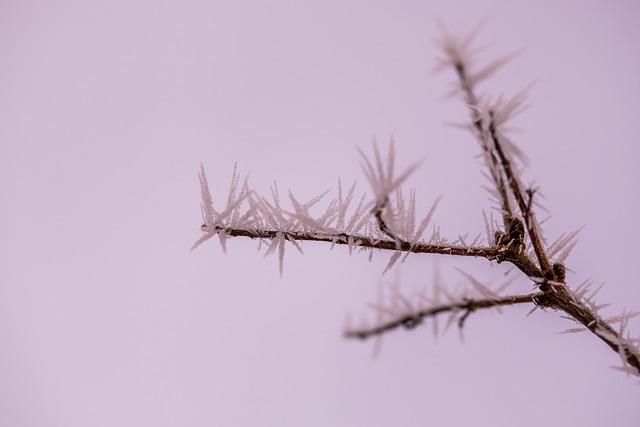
388, 222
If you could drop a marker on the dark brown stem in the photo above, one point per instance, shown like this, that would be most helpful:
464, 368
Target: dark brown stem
477, 120
560, 298
525, 208
492, 253
382, 225
499, 161
410, 321
554, 292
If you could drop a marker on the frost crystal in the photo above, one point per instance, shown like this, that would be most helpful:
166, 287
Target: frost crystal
381, 176
249, 214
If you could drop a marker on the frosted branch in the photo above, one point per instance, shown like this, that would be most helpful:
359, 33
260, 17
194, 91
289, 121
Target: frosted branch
388, 223
463, 307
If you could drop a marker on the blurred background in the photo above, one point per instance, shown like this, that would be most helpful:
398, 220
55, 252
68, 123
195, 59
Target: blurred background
107, 110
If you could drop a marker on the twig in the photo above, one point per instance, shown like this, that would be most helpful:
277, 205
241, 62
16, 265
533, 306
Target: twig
525, 208
382, 224
491, 253
410, 321
494, 170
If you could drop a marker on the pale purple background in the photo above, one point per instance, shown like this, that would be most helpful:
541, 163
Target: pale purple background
106, 110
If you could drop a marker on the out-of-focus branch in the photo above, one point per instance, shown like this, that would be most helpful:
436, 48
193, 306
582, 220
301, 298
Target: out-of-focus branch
467, 306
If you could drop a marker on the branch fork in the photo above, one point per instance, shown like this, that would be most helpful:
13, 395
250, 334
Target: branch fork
384, 227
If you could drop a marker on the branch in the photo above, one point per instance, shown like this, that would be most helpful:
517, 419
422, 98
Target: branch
382, 224
499, 164
554, 291
410, 321
525, 207
492, 161
559, 297
493, 253
250, 215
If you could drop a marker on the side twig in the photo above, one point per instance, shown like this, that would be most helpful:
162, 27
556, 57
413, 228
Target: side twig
410, 321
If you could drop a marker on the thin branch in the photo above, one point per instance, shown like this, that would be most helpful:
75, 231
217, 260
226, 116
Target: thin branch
493, 253
500, 167
525, 207
493, 163
382, 224
560, 298
410, 321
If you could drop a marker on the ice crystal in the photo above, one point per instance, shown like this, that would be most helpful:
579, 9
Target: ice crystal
340, 221
382, 177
